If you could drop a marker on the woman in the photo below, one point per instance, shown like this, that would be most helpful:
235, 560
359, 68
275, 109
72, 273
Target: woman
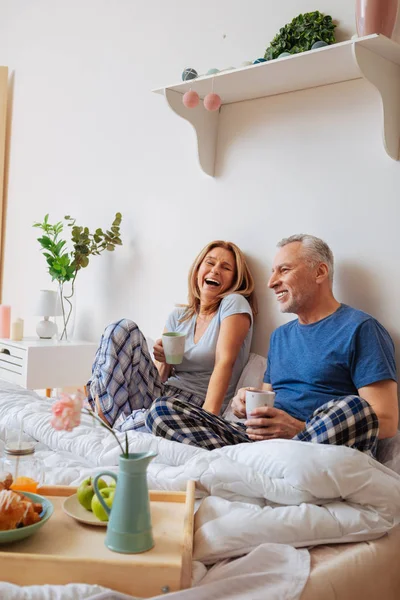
218, 322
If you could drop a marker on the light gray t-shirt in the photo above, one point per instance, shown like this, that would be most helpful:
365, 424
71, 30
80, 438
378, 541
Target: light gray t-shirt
193, 374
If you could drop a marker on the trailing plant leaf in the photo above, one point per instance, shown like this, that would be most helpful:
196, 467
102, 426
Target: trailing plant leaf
301, 34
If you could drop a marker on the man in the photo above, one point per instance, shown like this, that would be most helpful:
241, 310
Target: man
332, 368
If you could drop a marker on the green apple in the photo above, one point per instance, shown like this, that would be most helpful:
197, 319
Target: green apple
108, 495
85, 492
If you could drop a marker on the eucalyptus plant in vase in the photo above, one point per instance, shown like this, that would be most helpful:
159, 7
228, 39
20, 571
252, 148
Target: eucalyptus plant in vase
64, 261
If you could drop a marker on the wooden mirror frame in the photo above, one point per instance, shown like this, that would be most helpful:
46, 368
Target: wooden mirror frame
3, 126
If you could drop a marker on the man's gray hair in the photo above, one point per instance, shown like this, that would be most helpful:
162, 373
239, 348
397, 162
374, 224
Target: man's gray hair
317, 250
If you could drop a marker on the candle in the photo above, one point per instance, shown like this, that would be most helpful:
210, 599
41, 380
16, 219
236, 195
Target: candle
17, 330
5, 317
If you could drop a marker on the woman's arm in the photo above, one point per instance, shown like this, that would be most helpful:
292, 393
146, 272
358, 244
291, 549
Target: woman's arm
163, 368
232, 334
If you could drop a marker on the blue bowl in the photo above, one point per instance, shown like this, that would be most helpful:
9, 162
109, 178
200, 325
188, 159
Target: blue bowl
14, 535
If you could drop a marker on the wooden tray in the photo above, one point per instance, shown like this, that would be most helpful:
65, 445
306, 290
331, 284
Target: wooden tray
66, 551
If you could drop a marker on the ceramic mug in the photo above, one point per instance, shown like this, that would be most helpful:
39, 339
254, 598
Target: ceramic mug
174, 347
257, 398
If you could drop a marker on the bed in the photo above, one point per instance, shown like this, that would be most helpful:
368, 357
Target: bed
301, 521
367, 570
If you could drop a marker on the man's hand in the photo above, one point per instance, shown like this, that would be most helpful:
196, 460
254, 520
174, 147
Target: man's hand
158, 351
238, 405
267, 423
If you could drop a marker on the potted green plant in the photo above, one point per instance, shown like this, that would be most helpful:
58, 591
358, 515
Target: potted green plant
64, 261
302, 34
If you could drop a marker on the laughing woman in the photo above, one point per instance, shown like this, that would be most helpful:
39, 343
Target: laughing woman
218, 323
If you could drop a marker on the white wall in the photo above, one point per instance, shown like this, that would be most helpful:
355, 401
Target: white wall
88, 138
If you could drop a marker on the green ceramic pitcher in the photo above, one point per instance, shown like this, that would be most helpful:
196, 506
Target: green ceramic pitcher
129, 526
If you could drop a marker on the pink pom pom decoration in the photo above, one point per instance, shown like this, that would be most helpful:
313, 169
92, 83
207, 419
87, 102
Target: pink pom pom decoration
190, 99
212, 102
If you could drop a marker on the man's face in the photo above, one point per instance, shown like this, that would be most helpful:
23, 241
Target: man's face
292, 279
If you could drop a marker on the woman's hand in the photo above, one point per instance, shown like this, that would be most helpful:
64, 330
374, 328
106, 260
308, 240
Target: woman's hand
158, 351
163, 367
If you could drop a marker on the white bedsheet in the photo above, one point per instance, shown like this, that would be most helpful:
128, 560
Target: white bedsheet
273, 571
254, 495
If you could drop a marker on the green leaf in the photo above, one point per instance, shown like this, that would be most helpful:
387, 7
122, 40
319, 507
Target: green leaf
59, 246
117, 220
45, 241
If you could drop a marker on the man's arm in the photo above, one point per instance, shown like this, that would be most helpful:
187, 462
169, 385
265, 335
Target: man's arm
382, 396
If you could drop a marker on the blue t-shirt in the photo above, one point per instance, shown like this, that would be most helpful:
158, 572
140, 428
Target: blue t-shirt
193, 374
309, 365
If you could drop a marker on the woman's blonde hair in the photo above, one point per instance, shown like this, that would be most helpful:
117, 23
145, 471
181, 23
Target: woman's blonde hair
243, 282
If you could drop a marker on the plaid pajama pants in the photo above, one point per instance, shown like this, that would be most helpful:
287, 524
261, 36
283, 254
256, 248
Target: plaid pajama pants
348, 421
132, 396
125, 378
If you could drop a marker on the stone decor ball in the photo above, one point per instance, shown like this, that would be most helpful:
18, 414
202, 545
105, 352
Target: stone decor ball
212, 102
259, 60
212, 71
189, 73
190, 99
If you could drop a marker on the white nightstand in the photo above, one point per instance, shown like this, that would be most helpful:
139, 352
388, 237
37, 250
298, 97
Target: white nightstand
42, 364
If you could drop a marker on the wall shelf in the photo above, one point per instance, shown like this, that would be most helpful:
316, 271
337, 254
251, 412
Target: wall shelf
374, 58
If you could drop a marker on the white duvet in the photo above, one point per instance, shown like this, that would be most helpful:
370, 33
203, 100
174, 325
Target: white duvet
280, 492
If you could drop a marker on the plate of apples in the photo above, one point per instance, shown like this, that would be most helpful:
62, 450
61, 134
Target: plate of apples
85, 507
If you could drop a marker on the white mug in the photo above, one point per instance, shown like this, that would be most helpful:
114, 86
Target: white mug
257, 398
174, 347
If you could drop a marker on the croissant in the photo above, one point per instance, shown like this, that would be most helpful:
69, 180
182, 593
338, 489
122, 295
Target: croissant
13, 510
5, 481
36, 506
17, 510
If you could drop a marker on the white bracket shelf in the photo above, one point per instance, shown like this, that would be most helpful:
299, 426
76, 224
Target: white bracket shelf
374, 58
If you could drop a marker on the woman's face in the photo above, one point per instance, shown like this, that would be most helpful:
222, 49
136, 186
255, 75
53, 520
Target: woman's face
216, 273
